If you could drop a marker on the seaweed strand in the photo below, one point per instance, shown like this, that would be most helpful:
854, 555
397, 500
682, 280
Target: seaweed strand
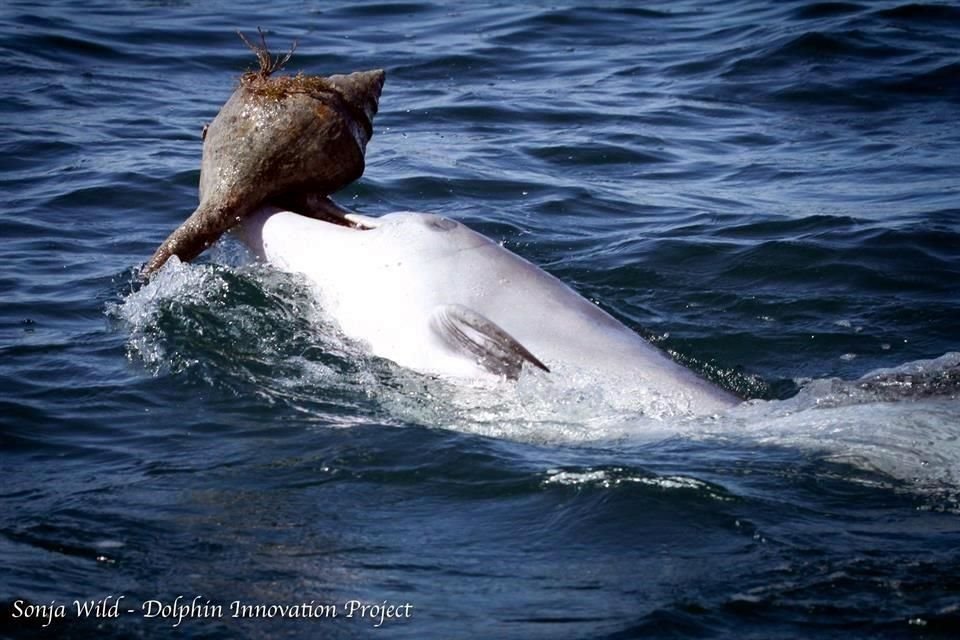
268, 64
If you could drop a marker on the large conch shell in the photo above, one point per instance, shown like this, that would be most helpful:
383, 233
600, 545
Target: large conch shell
277, 138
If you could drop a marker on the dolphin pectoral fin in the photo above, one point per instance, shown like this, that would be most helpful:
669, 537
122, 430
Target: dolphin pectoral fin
465, 330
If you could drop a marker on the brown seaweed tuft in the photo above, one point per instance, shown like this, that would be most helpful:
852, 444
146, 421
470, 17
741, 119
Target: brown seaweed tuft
263, 83
268, 64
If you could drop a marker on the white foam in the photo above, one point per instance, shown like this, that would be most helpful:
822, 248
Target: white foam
616, 477
140, 309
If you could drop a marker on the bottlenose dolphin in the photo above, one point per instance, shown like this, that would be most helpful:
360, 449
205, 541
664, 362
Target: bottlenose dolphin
433, 295
419, 289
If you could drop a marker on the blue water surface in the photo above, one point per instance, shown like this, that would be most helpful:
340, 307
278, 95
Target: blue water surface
770, 191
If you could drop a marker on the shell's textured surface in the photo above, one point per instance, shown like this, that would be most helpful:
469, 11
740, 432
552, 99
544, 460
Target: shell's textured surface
276, 135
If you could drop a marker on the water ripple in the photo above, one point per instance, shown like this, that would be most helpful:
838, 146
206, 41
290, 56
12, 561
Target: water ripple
768, 191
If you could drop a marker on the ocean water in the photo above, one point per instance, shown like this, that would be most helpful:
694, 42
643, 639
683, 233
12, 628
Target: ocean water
770, 191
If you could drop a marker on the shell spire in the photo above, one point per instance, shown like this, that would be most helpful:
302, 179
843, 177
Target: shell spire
361, 90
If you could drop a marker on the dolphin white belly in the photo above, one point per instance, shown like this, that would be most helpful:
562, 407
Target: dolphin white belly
432, 295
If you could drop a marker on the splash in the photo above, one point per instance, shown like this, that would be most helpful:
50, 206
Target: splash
262, 334
900, 422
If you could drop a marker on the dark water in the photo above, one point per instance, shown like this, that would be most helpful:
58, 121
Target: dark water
768, 190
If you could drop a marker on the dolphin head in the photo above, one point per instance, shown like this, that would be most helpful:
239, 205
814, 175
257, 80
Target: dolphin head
276, 137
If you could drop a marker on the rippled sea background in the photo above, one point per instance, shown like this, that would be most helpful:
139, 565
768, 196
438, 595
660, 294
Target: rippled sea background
770, 191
